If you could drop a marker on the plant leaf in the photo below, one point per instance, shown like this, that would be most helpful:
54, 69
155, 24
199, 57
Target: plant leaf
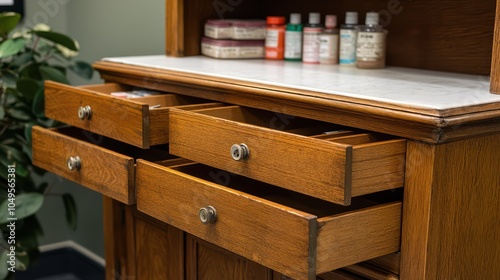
27, 131
28, 151
28, 88
3, 267
19, 114
31, 71
9, 77
22, 59
13, 154
71, 212
39, 104
83, 69
11, 47
27, 204
8, 21
54, 74
58, 38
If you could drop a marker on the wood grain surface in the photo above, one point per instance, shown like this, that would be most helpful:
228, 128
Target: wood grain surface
116, 118
357, 236
325, 169
159, 249
102, 170
207, 261
451, 226
495, 56
285, 239
175, 198
443, 35
432, 126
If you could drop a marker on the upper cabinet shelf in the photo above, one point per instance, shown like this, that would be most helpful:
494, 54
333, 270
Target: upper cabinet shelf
451, 36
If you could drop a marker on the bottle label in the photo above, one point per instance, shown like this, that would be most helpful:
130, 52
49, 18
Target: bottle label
311, 45
272, 38
328, 48
347, 54
370, 46
293, 44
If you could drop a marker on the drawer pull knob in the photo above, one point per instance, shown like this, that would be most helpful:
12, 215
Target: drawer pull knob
240, 151
74, 163
84, 112
208, 215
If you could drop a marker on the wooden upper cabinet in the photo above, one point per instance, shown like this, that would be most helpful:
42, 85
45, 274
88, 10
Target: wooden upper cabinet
448, 35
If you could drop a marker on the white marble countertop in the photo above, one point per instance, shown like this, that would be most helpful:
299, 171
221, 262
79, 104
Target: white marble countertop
430, 90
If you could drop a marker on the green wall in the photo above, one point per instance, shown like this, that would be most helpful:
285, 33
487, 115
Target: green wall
103, 28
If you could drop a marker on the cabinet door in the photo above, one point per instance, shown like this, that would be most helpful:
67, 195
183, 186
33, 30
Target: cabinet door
159, 250
206, 261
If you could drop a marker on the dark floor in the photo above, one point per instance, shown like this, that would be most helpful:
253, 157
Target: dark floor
62, 264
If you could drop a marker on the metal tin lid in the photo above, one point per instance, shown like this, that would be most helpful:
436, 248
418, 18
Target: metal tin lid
236, 22
249, 23
233, 43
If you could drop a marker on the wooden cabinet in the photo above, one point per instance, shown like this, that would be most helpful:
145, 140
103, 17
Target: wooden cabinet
272, 170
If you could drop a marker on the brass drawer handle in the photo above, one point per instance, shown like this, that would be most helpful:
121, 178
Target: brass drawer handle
74, 163
84, 112
240, 151
208, 215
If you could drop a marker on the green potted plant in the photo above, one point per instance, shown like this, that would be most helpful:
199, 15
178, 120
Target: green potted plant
28, 57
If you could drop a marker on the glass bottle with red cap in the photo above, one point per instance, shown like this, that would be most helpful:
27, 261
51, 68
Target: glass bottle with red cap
275, 37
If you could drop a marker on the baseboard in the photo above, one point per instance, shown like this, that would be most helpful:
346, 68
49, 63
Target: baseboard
72, 244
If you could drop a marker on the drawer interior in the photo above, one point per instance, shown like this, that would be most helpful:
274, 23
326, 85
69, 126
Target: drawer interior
295, 125
298, 201
272, 120
155, 101
155, 153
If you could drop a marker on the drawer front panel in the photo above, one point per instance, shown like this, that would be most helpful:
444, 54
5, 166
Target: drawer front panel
259, 231
116, 118
330, 170
268, 228
102, 170
339, 241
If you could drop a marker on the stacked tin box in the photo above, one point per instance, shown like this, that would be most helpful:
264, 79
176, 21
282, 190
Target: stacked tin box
234, 38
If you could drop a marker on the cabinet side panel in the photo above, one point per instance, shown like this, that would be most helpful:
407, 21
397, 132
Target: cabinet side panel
450, 215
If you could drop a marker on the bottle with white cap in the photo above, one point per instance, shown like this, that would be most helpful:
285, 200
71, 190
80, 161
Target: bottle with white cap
293, 38
310, 46
329, 42
371, 43
348, 35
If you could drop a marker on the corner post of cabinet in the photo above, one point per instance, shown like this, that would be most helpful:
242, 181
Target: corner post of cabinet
450, 208
118, 231
174, 31
495, 55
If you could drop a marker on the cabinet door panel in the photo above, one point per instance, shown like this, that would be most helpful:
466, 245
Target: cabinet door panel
159, 251
207, 261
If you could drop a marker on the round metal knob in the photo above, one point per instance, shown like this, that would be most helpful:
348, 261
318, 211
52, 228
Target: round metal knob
208, 215
74, 163
84, 112
240, 151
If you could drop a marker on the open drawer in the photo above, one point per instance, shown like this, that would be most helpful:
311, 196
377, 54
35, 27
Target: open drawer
314, 158
294, 234
98, 163
142, 122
